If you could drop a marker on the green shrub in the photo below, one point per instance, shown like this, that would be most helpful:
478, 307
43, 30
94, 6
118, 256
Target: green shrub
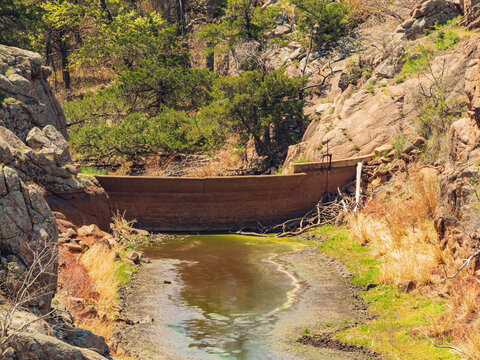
398, 143
137, 135
325, 21
302, 160
417, 61
446, 39
91, 170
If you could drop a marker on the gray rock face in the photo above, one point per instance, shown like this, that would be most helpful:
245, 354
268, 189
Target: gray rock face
35, 164
47, 163
472, 85
25, 95
88, 340
50, 142
27, 230
39, 346
390, 66
55, 339
359, 121
425, 16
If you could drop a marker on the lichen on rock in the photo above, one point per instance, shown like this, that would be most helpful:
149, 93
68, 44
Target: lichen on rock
27, 98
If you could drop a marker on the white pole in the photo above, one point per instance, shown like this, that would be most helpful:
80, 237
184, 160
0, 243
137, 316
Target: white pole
359, 179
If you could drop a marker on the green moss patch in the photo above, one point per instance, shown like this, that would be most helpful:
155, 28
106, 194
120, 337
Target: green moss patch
396, 331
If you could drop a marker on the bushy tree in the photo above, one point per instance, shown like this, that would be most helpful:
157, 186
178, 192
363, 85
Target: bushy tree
155, 84
264, 107
323, 21
107, 106
107, 128
129, 38
19, 19
64, 26
242, 21
137, 135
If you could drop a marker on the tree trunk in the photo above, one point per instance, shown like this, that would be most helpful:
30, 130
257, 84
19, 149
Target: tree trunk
181, 16
64, 59
107, 12
210, 59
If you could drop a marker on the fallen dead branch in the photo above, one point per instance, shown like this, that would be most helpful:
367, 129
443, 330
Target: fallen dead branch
123, 230
444, 346
248, 233
459, 270
325, 212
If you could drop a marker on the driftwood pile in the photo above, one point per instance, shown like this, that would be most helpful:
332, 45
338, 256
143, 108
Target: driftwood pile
329, 210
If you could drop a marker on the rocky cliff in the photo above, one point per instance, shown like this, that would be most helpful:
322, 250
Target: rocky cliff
32, 139
457, 219
36, 177
367, 99
27, 99
355, 113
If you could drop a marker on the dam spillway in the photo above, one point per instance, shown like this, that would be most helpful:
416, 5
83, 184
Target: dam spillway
224, 203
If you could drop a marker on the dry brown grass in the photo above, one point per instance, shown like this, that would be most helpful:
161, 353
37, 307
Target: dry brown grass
470, 300
440, 325
397, 227
471, 346
99, 261
98, 327
402, 235
221, 164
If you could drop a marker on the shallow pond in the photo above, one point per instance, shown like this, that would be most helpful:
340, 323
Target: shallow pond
229, 297
235, 285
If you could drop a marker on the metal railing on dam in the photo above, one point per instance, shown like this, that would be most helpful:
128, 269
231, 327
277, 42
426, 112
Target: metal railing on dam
225, 203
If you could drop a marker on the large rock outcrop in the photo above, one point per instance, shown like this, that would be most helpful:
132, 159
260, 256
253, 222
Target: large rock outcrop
471, 13
26, 97
457, 219
426, 15
40, 340
356, 121
32, 139
28, 240
37, 176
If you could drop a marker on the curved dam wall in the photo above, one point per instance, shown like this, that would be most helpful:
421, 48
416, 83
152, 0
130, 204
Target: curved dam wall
223, 203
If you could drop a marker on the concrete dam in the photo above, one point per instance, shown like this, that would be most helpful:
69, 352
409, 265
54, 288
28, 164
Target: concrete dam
225, 203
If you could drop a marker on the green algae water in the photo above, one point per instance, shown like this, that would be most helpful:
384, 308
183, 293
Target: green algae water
231, 297
229, 287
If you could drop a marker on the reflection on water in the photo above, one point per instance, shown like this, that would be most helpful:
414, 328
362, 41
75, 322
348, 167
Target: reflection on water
233, 285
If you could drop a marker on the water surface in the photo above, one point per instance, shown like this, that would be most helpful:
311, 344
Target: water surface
233, 286
233, 297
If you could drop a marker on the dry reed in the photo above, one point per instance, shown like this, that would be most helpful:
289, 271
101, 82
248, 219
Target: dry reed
403, 235
99, 261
